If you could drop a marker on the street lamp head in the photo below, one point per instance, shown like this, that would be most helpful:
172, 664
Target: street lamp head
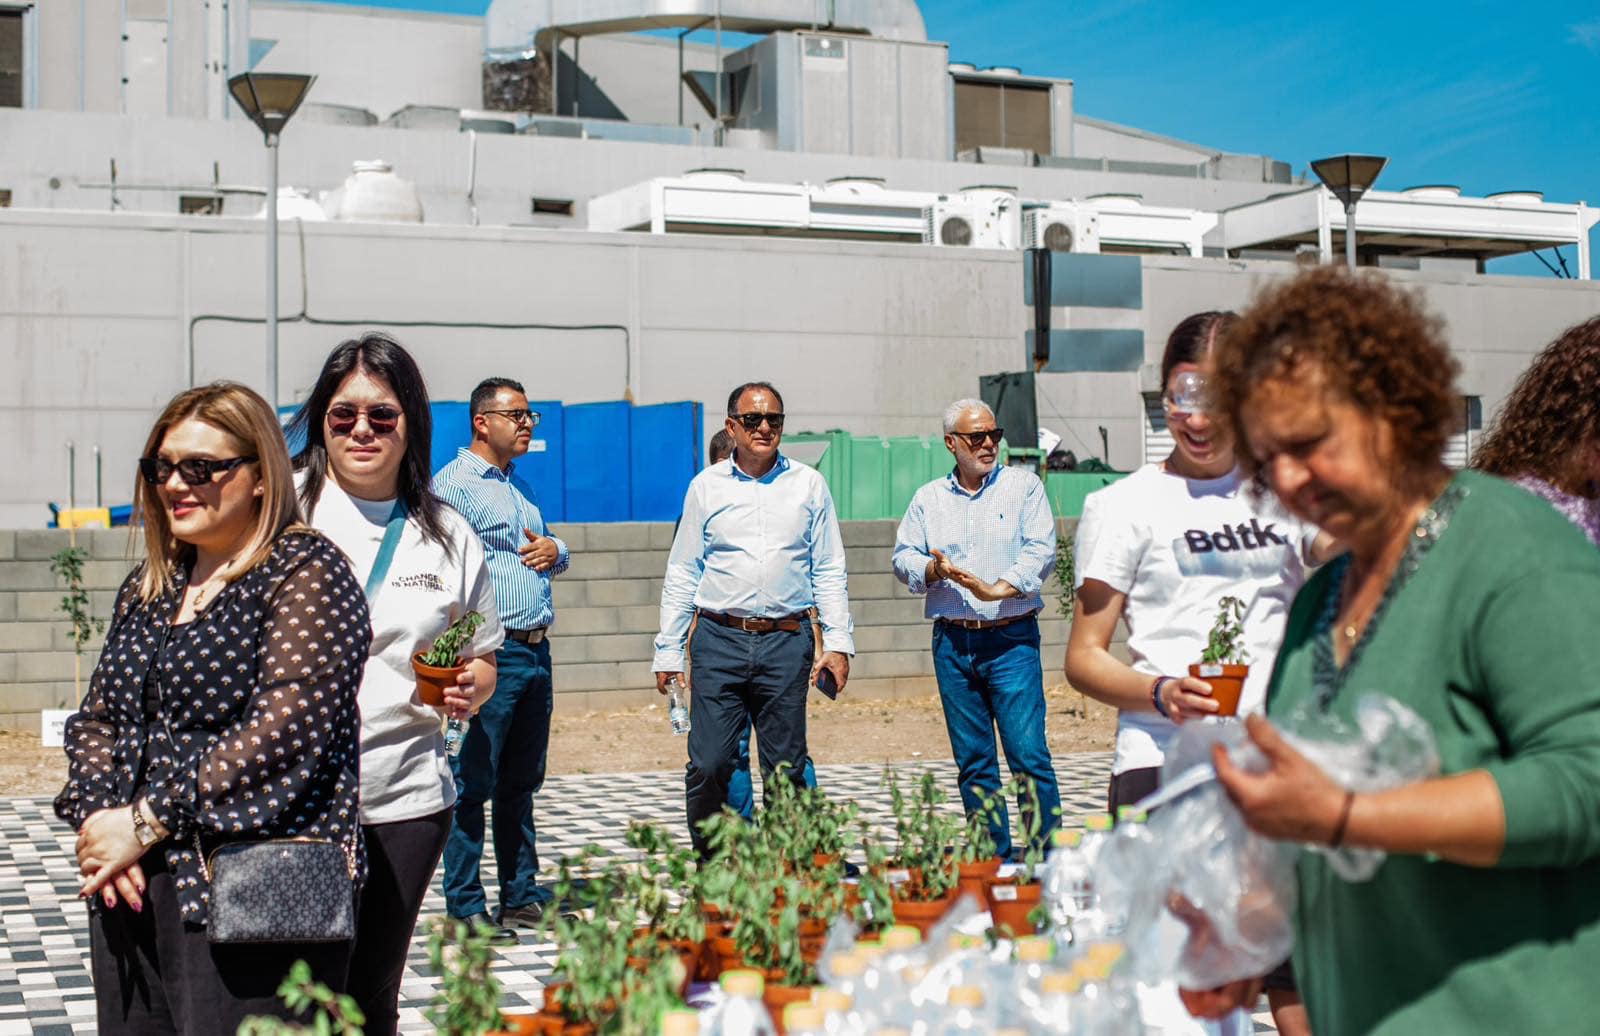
270, 98
1349, 176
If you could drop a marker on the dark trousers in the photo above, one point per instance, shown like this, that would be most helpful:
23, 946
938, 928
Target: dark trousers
735, 679
502, 760
401, 858
1129, 786
989, 680
153, 974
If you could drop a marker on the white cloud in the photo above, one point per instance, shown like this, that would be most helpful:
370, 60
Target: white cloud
1586, 34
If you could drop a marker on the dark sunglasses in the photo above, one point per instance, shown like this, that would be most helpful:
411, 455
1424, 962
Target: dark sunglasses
342, 418
517, 417
752, 422
976, 439
196, 471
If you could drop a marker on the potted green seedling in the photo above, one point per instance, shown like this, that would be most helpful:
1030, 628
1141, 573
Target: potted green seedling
1014, 901
924, 881
1223, 663
438, 667
976, 862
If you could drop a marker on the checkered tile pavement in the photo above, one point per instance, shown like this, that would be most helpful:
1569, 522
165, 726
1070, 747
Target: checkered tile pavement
45, 988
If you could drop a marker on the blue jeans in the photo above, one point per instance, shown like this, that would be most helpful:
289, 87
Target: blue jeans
991, 679
741, 793
502, 760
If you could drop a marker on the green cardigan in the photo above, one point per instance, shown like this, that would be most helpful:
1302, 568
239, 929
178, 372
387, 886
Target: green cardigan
1495, 642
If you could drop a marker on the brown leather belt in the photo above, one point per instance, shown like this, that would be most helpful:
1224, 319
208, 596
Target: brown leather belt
754, 624
985, 624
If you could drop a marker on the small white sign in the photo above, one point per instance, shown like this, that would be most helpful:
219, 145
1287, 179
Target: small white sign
1210, 669
53, 727
1003, 893
538, 445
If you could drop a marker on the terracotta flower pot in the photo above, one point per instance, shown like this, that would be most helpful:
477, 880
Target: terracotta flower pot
776, 996
1227, 683
813, 937
725, 953
971, 878
922, 915
433, 680
519, 1025
1011, 902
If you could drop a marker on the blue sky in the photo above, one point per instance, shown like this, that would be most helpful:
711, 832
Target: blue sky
1489, 96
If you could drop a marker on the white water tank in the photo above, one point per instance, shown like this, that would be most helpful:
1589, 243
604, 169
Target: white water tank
372, 193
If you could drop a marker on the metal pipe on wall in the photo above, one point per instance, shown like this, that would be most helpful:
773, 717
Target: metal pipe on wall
272, 270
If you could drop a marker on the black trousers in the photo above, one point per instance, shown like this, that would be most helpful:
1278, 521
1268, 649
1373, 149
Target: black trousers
401, 859
737, 678
153, 974
1129, 786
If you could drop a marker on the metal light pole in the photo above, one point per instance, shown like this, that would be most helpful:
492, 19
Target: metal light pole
271, 99
1349, 177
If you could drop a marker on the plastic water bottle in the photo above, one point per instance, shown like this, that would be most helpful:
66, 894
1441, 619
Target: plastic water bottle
455, 733
677, 709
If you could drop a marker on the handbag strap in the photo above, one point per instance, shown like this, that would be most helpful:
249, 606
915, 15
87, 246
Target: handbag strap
386, 549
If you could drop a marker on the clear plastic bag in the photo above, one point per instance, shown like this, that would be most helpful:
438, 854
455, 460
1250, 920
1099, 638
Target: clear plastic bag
1387, 746
1232, 889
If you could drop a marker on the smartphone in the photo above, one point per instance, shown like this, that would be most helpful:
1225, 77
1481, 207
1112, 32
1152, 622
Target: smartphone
827, 684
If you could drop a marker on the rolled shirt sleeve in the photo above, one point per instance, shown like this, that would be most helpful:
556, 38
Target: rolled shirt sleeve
829, 581
685, 565
911, 554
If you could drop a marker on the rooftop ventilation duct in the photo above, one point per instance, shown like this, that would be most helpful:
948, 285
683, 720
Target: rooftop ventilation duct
1433, 190
511, 23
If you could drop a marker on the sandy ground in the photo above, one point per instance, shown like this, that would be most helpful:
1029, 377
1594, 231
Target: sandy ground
639, 740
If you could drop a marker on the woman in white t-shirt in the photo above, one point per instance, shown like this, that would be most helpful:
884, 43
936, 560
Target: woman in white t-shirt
1158, 550
365, 463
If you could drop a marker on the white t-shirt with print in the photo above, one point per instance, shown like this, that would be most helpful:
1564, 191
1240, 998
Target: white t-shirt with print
1175, 547
404, 774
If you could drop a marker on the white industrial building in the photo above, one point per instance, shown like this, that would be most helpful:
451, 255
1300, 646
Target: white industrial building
824, 200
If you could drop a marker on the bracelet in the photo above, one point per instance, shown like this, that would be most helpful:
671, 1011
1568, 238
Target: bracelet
1344, 820
1155, 696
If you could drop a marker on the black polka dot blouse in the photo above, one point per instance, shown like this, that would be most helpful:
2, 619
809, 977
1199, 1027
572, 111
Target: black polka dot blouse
259, 692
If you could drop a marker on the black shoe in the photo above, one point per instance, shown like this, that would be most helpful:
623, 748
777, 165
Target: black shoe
497, 936
530, 915
851, 870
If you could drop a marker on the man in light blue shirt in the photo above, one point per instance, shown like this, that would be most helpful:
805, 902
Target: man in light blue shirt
979, 543
756, 565
503, 757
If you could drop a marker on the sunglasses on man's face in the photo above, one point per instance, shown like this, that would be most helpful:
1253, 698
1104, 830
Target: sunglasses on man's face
752, 422
382, 419
517, 417
977, 439
195, 471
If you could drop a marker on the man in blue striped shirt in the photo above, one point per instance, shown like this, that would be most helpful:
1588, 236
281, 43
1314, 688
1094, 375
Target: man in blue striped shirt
756, 555
980, 543
503, 757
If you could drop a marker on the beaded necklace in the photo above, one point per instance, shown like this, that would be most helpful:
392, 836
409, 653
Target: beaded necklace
1328, 677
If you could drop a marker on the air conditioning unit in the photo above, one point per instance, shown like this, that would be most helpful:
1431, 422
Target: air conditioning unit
973, 219
1061, 228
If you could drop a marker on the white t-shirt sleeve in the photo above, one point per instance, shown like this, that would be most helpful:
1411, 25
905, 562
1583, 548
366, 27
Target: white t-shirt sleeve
1107, 546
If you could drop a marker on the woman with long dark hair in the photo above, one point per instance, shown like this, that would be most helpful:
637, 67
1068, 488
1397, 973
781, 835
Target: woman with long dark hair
1547, 437
241, 629
364, 482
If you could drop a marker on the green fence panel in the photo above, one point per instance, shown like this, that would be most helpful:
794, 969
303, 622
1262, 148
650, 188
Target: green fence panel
1067, 489
869, 478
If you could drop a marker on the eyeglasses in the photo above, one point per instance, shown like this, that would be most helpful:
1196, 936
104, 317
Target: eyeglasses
752, 422
977, 439
517, 417
196, 471
382, 419
1189, 394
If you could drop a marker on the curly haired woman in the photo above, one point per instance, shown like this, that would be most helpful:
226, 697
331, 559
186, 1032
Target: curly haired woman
1547, 437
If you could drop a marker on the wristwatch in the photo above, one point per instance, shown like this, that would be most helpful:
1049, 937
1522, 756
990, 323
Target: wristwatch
142, 830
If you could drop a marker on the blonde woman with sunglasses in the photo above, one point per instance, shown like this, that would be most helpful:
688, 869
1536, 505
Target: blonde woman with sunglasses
223, 708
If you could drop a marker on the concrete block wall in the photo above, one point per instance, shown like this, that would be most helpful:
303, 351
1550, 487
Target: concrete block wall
606, 616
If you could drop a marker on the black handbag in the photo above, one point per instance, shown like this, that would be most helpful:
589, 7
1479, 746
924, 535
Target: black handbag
274, 890
281, 890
